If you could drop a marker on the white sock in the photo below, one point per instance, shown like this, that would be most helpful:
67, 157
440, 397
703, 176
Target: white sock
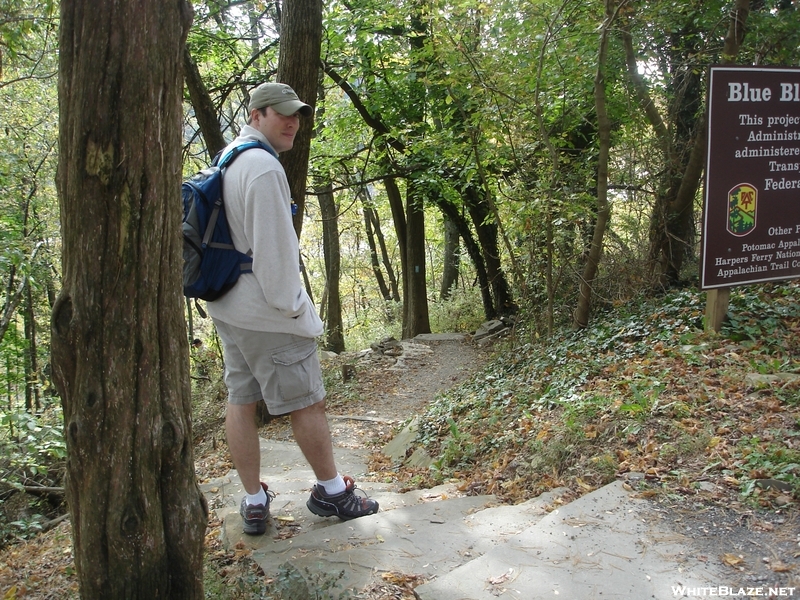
333, 487
259, 498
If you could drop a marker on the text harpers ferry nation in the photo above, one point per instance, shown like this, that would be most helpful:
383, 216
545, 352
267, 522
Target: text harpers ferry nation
751, 217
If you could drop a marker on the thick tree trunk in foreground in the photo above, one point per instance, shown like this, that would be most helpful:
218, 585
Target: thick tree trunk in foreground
118, 335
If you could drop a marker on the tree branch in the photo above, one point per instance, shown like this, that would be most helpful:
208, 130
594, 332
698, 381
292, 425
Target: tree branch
643, 94
373, 122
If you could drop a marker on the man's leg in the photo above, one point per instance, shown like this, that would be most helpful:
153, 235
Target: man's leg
311, 431
310, 427
243, 444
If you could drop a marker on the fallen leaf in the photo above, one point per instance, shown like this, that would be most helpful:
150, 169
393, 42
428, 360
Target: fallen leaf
781, 567
406, 580
732, 560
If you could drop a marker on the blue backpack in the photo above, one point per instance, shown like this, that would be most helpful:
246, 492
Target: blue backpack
211, 264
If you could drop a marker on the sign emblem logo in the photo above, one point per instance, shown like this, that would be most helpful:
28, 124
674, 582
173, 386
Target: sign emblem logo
742, 207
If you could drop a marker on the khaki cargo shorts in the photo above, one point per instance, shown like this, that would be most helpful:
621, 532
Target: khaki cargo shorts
281, 368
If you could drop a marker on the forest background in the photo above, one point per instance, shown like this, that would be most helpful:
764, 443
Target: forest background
539, 160
469, 131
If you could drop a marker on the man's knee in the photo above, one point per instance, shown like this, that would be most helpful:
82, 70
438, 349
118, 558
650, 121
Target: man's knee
317, 407
241, 411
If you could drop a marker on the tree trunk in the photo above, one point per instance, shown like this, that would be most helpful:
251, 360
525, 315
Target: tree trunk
474, 251
374, 258
400, 227
334, 339
387, 263
452, 258
32, 361
118, 335
673, 220
204, 110
13, 296
415, 313
298, 66
416, 319
581, 314
487, 231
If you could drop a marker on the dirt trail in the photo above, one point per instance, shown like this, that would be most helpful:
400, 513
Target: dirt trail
392, 385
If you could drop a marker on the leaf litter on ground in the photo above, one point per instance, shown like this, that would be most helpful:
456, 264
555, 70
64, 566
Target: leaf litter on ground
697, 420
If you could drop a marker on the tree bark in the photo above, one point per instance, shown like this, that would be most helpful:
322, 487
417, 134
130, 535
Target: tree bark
298, 66
581, 314
387, 263
452, 258
474, 251
415, 305
672, 220
118, 335
373, 254
673, 217
416, 317
31, 361
736, 31
400, 228
204, 110
334, 338
487, 232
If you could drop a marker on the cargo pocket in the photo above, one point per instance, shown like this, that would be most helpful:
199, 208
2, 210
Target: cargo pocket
298, 371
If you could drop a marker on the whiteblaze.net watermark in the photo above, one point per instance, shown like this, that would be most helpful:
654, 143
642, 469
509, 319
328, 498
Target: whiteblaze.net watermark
734, 592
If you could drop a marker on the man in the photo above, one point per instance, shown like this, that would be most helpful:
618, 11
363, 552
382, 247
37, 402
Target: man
267, 322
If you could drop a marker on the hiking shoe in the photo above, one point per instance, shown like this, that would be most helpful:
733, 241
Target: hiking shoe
255, 516
346, 505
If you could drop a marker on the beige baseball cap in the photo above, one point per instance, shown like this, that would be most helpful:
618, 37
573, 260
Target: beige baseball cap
280, 97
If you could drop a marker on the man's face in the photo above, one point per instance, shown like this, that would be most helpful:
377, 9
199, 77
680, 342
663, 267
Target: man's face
277, 128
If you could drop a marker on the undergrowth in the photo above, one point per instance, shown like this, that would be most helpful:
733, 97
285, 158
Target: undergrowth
32, 454
643, 389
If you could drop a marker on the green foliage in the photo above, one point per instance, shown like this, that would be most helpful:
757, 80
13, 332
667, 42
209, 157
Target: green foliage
644, 385
758, 315
760, 459
33, 447
235, 48
33, 452
457, 449
461, 312
28, 206
464, 102
23, 20
222, 583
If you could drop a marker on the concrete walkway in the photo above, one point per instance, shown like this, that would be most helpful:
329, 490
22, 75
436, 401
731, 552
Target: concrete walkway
603, 545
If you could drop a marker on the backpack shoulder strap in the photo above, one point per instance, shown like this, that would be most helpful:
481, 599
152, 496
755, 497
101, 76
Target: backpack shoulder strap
224, 160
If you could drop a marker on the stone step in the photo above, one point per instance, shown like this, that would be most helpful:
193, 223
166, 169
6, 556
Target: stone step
422, 532
424, 539
599, 546
288, 475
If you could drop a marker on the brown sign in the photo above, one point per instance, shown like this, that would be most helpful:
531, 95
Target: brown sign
751, 216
